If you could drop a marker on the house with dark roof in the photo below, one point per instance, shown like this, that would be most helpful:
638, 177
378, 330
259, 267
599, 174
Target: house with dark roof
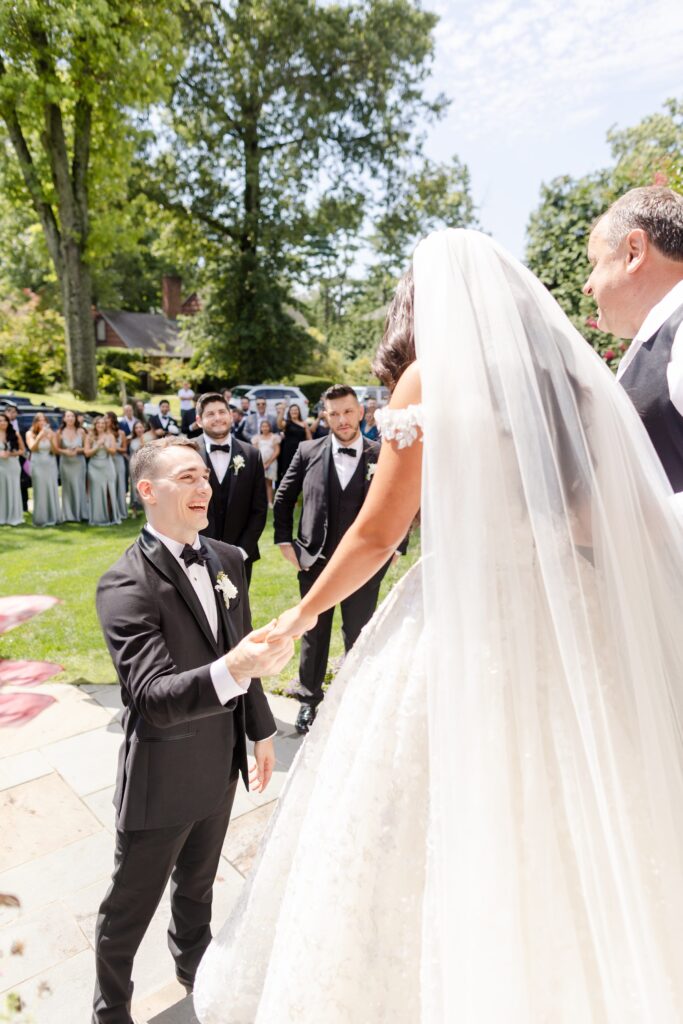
155, 334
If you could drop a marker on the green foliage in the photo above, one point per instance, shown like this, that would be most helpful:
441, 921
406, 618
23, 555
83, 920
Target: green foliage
283, 118
32, 348
650, 152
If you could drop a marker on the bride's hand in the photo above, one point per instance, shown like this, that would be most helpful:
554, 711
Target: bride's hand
292, 623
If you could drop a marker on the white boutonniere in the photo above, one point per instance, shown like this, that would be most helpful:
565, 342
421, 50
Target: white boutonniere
372, 466
226, 587
238, 464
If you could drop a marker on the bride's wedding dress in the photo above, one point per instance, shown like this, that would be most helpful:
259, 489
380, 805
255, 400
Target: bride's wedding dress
485, 824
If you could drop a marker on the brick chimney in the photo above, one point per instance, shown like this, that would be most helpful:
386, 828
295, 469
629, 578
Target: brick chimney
171, 287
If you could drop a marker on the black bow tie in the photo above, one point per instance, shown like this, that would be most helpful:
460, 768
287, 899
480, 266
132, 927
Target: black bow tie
191, 555
220, 448
347, 451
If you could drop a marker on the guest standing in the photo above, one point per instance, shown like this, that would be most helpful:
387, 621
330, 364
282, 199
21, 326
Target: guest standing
134, 445
128, 420
368, 426
163, 423
11, 448
120, 463
255, 419
72, 469
293, 430
12, 414
239, 505
186, 396
41, 441
268, 445
100, 450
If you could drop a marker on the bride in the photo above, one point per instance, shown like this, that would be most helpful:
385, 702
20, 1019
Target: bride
485, 824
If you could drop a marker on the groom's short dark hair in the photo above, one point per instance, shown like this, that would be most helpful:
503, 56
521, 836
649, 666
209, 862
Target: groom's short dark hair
146, 459
339, 391
208, 399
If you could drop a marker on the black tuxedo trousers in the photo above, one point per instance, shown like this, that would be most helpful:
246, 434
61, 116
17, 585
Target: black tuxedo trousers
356, 612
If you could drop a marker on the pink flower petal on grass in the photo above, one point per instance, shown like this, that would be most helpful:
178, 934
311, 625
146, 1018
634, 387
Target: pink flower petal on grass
17, 708
25, 673
21, 607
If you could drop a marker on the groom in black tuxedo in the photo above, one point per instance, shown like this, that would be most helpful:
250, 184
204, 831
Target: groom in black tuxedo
170, 609
334, 473
239, 507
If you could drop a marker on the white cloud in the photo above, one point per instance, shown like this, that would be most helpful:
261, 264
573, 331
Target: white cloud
509, 67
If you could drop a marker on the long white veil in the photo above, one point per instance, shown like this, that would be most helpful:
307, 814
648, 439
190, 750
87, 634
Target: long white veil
553, 578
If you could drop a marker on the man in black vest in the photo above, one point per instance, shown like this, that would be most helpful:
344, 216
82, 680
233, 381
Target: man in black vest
636, 251
334, 474
170, 609
239, 506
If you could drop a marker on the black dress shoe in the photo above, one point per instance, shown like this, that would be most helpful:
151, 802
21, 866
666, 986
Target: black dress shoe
305, 718
187, 983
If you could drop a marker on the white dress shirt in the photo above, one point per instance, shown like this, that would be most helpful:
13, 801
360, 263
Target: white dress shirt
346, 465
665, 308
225, 686
221, 462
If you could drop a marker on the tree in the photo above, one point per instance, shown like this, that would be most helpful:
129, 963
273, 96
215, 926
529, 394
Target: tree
284, 116
70, 73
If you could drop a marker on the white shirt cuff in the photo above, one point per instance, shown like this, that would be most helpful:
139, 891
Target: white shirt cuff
225, 686
243, 553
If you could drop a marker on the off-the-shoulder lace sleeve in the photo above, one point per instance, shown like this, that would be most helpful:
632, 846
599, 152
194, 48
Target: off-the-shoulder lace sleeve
400, 425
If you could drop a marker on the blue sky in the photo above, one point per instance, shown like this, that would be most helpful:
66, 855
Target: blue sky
536, 84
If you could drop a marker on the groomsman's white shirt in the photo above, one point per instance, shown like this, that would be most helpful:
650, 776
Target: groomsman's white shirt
345, 465
225, 686
653, 321
220, 462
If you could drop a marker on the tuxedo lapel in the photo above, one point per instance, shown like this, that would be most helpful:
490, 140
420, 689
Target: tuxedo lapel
164, 562
368, 458
214, 567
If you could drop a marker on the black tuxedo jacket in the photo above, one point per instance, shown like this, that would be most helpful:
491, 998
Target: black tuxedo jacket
156, 424
309, 472
247, 508
176, 759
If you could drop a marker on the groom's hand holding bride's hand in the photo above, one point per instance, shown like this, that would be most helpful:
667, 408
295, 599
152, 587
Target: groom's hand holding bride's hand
253, 656
291, 625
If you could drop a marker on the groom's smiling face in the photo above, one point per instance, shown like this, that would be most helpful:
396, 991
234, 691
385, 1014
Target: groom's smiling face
177, 495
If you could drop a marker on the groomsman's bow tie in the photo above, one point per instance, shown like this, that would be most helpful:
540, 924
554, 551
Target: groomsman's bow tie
220, 448
191, 555
347, 451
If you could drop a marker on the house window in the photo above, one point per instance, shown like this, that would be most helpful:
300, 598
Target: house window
101, 330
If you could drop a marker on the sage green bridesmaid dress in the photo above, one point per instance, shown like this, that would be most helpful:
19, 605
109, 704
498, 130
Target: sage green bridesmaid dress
11, 512
45, 483
72, 472
103, 495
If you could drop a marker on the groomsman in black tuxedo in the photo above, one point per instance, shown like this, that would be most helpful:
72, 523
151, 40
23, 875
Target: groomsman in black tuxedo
175, 615
239, 506
163, 423
636, 252
334, 473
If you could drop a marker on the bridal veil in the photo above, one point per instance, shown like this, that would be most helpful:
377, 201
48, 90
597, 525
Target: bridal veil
552, 577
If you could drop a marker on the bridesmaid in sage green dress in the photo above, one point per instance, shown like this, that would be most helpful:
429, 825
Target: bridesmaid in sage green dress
42, 444
135, 443
100, 450
72, 469
119, 461
11, 447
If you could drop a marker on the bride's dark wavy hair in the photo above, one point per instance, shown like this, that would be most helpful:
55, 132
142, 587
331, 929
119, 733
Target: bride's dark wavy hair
397, 348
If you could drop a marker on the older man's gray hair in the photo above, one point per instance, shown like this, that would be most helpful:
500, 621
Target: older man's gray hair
656, 210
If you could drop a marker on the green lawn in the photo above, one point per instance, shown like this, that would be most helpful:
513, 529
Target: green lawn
67, 561
102, 403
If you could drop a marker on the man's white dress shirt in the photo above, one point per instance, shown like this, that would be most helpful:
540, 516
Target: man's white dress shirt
346, 465
226, 687
653, 321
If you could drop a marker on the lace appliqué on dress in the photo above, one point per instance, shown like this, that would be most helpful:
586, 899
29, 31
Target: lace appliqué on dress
400, 425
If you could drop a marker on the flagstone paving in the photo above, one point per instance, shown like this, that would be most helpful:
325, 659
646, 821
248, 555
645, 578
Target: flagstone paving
57, 776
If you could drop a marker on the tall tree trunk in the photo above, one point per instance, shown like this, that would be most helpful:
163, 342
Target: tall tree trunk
78, 319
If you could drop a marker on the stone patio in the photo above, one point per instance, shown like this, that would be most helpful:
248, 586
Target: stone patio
57, 776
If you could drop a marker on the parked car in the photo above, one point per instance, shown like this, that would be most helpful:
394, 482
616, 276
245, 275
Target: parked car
26, 411
273, 393
379, 393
